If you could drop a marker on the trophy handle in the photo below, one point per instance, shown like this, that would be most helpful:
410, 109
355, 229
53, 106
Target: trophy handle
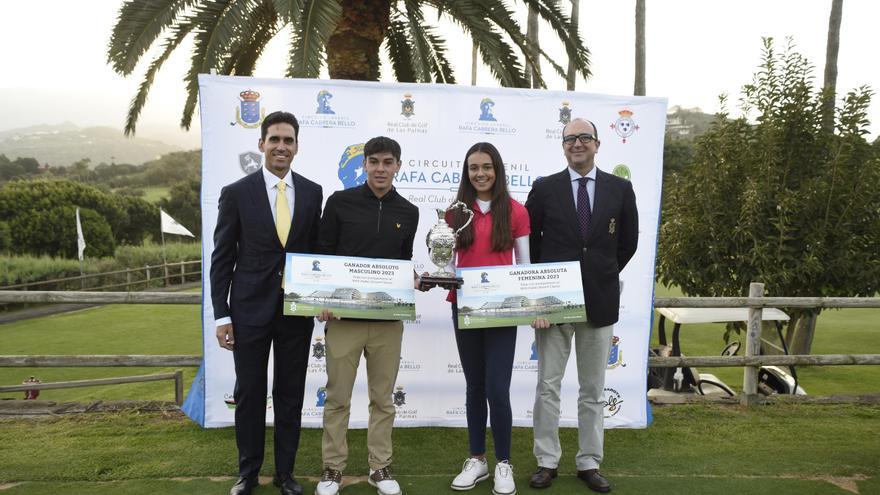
467, 210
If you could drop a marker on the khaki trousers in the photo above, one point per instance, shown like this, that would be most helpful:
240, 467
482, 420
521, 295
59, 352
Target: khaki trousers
379, 342
592, 345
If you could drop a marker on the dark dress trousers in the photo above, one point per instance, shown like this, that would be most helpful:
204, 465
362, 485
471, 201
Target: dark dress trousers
246, 266
612, 236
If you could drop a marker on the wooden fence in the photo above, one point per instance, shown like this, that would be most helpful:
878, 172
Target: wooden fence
177, 376
751, 362
139, 278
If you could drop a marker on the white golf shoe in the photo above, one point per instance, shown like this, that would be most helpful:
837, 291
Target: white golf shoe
472, 472
504, 484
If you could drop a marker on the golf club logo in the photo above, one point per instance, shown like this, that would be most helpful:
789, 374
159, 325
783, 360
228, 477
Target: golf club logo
248, 114
319, 349
407, 106
399, 396
615, 357
622, 171
564, 113
625, 126
323, 99
613, 402
486, 105
250, 161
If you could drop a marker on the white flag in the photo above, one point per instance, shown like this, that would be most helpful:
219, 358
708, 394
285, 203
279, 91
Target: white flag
80, 240
171, 226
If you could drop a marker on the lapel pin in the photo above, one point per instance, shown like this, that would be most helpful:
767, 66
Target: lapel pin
398, 226
612, 226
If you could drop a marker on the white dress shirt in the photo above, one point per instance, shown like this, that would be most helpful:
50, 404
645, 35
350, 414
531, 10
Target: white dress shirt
272, 189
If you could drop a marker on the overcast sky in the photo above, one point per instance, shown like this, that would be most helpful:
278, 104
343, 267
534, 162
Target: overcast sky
53, 56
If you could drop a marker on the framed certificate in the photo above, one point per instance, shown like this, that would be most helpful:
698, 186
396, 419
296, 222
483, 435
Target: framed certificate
500, 296
370, 288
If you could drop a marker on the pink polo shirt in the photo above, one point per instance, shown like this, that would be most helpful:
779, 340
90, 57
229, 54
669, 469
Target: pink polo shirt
480, 253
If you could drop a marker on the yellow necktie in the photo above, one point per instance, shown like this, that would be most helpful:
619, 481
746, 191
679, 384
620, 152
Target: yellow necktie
282, 214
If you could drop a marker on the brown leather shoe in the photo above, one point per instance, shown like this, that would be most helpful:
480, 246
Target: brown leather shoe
595, 481
542, 478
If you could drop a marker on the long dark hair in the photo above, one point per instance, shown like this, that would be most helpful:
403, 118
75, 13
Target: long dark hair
502, 237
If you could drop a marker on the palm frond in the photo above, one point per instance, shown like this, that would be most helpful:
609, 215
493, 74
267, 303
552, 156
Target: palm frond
261, 25
138, 25
550, 11
215, 26
318, 20
428, 49
496, 54
502, 16
397, 43
180, 32
421, 52
289, 11
443, 69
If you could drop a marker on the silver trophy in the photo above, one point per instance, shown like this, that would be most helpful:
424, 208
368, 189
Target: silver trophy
441, 247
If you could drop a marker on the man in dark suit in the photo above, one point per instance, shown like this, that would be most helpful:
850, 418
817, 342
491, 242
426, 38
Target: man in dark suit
262, 217
586, 215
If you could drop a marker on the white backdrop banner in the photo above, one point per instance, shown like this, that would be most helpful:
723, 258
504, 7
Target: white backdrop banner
435, 125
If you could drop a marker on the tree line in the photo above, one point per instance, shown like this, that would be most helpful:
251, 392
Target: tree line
38, 204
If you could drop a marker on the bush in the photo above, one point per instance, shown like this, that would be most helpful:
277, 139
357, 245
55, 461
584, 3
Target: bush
151, 253
27, 269
41, 219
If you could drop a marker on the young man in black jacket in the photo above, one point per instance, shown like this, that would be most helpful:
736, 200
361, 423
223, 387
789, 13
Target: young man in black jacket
369, 221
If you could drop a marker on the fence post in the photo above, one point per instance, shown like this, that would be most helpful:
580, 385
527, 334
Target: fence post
128, 281
147, 270
167, 280
753, 348
182, 274
178, 387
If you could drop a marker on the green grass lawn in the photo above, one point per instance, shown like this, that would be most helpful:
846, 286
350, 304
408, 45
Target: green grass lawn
176, 329
114, 329
154, 194
774, 449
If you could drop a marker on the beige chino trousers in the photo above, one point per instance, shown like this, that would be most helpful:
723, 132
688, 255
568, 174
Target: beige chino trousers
379, 343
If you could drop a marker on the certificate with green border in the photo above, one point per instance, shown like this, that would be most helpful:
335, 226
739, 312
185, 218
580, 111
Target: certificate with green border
501, 296
370, 288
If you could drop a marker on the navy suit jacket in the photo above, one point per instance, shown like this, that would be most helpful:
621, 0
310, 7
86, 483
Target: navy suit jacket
248, 258
611, 241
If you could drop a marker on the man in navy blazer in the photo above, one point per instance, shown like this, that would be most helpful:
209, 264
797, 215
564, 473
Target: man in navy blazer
586, 215
262, 217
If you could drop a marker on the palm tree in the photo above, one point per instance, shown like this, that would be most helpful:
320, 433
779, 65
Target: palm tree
230, 35
571, 75
831, 50
639, 86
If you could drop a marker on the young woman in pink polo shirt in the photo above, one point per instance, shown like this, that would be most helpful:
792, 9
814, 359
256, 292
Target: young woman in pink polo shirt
498, 235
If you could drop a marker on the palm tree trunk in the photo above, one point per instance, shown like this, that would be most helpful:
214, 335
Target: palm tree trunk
353, 48
831, 50
639, 86
571, 75
533, 72
474, 54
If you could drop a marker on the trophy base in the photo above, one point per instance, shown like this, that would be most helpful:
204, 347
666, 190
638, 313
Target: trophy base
451, 283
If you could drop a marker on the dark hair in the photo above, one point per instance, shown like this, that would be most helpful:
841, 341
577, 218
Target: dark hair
502, 235
382, 144
279, 118
595, 129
